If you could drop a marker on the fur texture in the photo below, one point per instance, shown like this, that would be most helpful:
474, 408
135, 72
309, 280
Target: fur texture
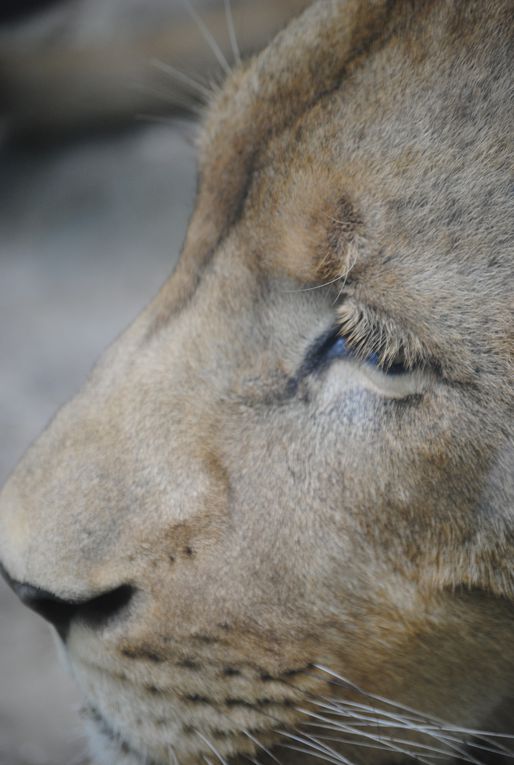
281, 517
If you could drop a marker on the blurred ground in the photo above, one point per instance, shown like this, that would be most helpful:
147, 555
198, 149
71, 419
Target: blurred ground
88, 232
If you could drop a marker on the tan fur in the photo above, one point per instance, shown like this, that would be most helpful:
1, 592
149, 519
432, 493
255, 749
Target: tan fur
271, 519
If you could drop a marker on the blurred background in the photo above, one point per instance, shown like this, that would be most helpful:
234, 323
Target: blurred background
97, 175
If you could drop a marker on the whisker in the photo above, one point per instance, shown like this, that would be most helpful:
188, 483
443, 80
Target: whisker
309, 289
414, 721
314, 743
437, 731
365, 744
191, 104
384, 719
414, 745
232, 32
308, 752
353, 687
366, 708
258, 744
212, 748
493, 746
208, 36
388, 743
250, 759
182, 77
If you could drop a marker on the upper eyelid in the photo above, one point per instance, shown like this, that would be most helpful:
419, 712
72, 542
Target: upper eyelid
370, 331
317, 357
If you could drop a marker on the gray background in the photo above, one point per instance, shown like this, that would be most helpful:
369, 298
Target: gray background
88, 232
96, 186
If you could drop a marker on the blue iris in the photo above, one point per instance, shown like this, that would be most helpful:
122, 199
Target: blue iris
338, 348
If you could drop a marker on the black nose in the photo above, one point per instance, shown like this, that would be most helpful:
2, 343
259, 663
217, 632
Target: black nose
93, 611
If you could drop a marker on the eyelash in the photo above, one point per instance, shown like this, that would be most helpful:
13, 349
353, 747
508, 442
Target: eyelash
335, 345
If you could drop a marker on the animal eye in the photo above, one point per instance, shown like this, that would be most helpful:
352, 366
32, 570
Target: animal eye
333, 345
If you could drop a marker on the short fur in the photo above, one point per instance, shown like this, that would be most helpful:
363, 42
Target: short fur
276, 517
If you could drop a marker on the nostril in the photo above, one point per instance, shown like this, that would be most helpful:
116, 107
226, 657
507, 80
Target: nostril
103, 607
53, 609
59, 612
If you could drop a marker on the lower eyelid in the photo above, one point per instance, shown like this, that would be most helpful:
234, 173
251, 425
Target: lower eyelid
397, 386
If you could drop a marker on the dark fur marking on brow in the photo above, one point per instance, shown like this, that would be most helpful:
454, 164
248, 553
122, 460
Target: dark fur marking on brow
376, 36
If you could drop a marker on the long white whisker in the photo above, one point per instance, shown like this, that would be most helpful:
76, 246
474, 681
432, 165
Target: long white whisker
309, 289
437, 731
309, 752
232, 31
185, 79
440, 724
314, 743
366, 708
340, 708
388, 743
432, 750
392, 721
250, 759
493, 746
259, 745
212, 748
208, 36
366, 744
352, 686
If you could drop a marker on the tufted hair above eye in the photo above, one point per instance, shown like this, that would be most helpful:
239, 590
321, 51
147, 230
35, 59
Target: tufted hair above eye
379, 340
334, 345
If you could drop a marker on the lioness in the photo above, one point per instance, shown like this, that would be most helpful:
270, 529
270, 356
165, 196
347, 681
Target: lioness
278, 522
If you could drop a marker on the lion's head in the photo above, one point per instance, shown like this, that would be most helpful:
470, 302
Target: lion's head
280, 513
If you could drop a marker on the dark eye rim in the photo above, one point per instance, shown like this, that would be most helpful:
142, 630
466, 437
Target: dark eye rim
324, 351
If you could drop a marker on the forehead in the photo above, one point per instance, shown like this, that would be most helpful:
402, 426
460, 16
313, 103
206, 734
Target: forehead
371, 161
370, 140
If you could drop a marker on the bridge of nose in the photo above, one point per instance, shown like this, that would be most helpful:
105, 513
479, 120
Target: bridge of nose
101, 480
132, 451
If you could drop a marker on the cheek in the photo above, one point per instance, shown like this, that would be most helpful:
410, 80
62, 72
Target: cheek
325, 471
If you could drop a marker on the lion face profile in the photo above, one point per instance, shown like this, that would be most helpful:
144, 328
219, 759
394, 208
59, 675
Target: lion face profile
277, 524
